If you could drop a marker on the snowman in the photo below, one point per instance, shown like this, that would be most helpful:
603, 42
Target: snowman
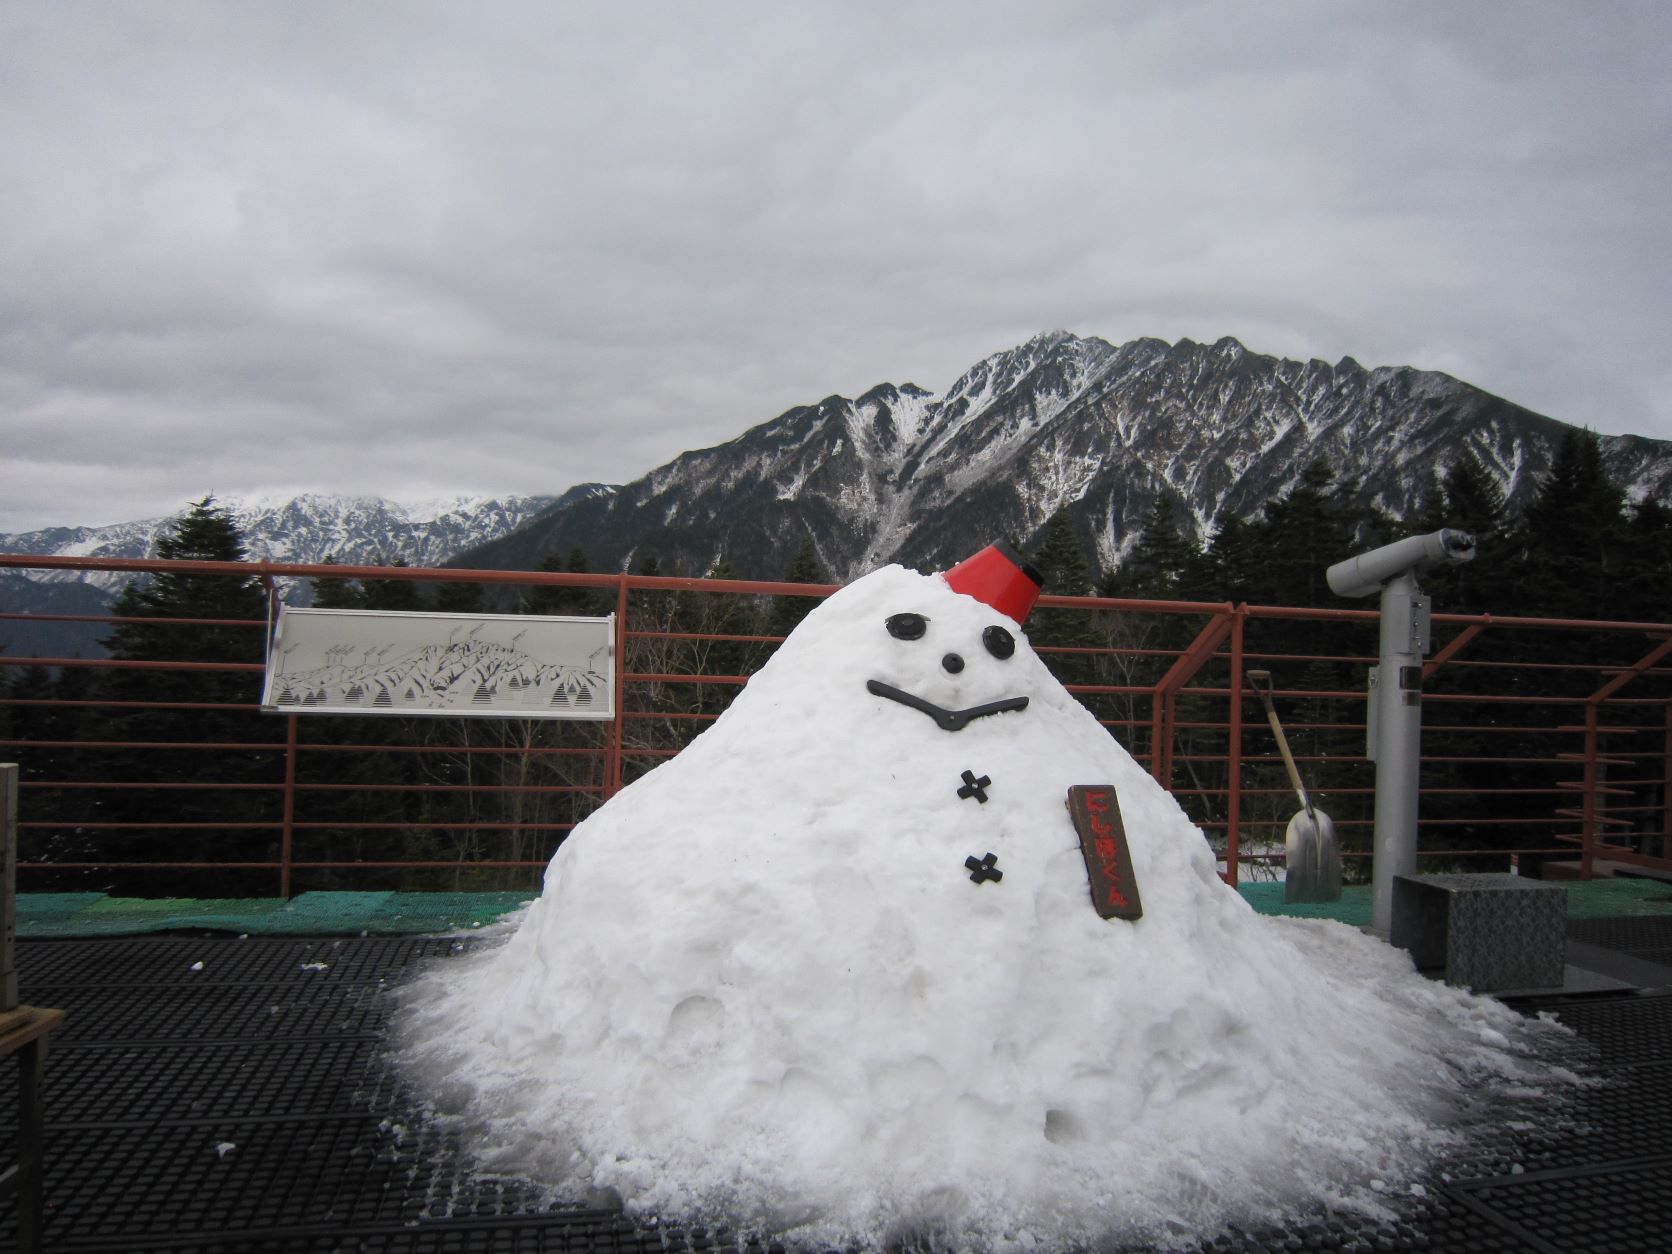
907, 943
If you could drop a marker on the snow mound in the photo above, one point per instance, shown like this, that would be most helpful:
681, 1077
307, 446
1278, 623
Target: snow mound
761, 988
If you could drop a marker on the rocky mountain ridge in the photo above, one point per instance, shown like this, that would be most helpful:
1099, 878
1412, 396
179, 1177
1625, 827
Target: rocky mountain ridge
903, 474
1060, 422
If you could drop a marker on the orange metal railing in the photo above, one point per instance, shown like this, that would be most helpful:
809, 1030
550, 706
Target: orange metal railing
1544, 739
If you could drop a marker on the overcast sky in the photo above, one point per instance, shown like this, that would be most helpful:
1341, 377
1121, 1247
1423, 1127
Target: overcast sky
423, 249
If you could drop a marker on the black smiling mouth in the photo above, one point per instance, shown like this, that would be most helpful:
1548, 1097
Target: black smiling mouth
947, 720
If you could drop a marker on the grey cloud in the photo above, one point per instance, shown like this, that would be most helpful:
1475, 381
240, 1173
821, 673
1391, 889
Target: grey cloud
429, 248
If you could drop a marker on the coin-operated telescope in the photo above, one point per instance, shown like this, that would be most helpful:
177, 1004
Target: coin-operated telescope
1394, 717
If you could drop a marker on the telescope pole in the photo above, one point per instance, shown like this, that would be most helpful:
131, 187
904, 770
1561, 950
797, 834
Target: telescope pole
1397, 744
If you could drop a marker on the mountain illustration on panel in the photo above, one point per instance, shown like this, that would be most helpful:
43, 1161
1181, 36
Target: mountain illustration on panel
840, 969
482, 672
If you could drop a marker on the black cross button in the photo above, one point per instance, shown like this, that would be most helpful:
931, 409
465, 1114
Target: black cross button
983, 869
973, 787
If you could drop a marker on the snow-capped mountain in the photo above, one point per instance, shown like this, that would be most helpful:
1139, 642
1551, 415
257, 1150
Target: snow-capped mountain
311, 528
902, 474
352, 530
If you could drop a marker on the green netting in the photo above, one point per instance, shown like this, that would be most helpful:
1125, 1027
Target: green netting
51, 912
1610, 899
44, 915
1353, 908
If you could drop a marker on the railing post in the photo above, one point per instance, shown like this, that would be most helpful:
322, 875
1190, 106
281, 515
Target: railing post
8, 886
1233, 801
1666, 791
1158, 730
618, 725
287, 833
1591, 808
1162, 762
1588, 801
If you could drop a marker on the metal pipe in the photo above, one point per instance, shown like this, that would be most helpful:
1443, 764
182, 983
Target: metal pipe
1233, 780
618, 725
1397, 749
8, 886
1666, 792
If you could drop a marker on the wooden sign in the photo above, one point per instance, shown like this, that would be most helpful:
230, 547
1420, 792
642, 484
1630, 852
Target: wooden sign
1114, 885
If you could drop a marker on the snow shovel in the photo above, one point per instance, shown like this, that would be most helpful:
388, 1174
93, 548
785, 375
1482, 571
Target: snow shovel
1314, 858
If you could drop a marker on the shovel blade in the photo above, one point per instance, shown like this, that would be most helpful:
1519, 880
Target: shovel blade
1314, 862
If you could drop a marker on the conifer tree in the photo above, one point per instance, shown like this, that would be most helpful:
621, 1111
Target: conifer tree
1570, 548
1061, 558
1163, 564
1061, 636
1466, 498
787, 612
1647, 570
332, 592
392, 594
204, 533
1567, 558
565, 599
457, 597
1232, 561
1304, 532
1474, 501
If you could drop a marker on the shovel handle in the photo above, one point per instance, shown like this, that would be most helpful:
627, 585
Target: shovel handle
1260, 681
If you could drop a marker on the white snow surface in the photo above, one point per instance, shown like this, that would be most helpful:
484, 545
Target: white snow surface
760, 987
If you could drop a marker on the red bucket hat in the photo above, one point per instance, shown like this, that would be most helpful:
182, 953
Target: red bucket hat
998, 576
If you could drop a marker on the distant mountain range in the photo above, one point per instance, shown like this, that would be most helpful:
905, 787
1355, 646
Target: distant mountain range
902, 474
354, 530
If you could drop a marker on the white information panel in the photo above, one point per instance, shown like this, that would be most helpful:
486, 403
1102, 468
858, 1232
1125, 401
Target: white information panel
457, 665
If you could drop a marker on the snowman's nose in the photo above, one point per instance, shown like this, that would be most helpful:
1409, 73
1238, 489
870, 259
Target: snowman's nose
953, 663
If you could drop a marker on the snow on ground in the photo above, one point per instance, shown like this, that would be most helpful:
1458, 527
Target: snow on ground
761, 988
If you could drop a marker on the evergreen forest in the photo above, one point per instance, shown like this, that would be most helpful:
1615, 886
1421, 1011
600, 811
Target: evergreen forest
486, 801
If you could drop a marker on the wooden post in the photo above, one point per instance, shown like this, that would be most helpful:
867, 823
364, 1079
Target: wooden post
8, 887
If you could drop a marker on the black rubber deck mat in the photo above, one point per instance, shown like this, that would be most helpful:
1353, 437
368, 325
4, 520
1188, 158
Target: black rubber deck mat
211, 1011
247, 1106
1618, 1207
1648, 937
1625, 1031
103, 1084
170, 960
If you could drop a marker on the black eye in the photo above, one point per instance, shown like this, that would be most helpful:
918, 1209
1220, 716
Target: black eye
907, 626
1000, 643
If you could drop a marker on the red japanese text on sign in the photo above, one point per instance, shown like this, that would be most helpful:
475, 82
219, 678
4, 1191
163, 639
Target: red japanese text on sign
1095, 810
